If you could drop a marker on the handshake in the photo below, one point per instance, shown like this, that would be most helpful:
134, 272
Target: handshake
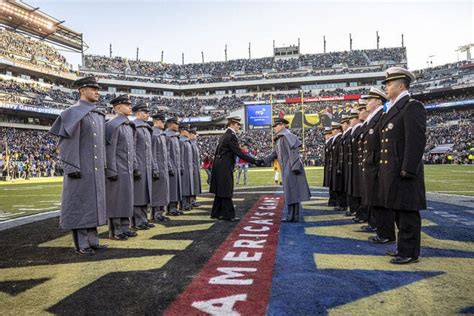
259, 162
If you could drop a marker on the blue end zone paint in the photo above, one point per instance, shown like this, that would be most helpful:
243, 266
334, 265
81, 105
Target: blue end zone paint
299, 288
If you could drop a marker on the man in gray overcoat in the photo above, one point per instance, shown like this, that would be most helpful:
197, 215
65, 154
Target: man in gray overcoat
160, 197
147, 172
295, 185
121, 162
187, 185
196, 168
176, 170
81, 129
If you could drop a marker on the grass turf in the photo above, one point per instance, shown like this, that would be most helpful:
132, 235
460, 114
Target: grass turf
26, 197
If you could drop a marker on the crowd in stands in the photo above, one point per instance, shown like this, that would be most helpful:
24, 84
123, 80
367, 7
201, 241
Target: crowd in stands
450, 127
241, 69
34, 52
31, 153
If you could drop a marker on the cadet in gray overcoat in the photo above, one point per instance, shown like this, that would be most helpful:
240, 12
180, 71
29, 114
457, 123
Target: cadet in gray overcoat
121, 162
81, 129
161, 188
147, 172
295, 184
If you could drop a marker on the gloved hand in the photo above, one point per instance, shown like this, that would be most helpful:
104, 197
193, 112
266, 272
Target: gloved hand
156, 175
137, 175
407, 175
171, 173
260, 163
113, 178
182, 171
74, 175
297, 171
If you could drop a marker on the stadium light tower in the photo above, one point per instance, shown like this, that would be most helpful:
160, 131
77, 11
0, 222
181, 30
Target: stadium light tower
378, 39
162, 55
466, 49
182, 58
250, 51
137, 52
403, 41
110, 50
202, 56
324, 43
350, 42
225, 52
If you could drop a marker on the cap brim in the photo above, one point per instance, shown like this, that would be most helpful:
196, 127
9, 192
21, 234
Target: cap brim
89, 86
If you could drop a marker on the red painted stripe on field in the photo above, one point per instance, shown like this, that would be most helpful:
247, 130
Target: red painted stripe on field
217, 290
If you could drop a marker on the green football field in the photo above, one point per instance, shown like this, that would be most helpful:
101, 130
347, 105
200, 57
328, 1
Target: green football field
21, 198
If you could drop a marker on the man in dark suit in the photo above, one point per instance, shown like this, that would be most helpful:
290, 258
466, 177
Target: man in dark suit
384, 221
403, 142
345, 154
222, 178
336, 184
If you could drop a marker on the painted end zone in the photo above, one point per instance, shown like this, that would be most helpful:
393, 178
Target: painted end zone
237, 279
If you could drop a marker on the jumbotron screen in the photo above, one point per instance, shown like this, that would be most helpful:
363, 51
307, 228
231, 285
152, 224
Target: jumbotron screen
258, 116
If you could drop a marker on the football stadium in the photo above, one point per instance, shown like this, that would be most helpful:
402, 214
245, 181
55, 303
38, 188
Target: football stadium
295, 180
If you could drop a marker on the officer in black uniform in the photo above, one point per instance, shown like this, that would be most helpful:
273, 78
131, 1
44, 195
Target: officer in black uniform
403, 142
353, 183
336, 185
222, 178
345, 157
327, 140
384, 221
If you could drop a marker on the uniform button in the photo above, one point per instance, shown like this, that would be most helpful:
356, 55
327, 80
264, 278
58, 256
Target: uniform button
93, 122
95, 169
386, 150
386, 140
363, 169
386, 161
381, 150
95, 157
381, 161
95, 134
363, 160
95, 145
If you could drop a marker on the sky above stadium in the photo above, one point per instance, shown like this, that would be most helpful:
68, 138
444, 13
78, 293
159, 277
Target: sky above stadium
430, 28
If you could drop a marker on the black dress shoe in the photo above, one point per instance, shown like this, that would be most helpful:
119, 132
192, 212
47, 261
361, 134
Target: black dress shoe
180, 212
195, 204
404, 260
392, 253
119, 237
358, 220
234, 219
161, 218
289, 220
142, 227
99, 247
349, 213
84, 252
130, 233
378, 240
172, 213
368, 229
150, 225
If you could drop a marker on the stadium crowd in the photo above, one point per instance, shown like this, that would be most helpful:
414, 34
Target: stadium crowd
36, 53
31, 153
232, 69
